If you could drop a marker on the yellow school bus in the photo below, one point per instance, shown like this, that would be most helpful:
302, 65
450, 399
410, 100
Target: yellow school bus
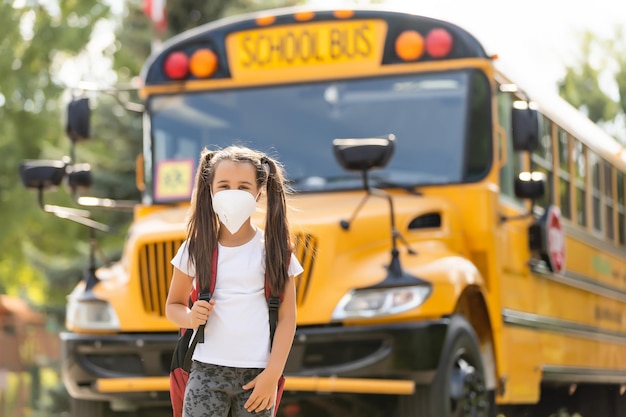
464, 242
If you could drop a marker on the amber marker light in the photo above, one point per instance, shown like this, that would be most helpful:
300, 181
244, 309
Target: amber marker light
343, 14
409, 45
304, 16
203, 63
438, 43
265, 20
176, 65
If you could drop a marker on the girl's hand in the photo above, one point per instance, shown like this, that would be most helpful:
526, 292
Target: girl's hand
263, 393
200, 312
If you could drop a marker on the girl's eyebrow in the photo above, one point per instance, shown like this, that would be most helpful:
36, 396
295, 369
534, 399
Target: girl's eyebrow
240, 182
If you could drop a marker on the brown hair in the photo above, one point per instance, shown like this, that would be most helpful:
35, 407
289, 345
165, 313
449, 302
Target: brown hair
202, 227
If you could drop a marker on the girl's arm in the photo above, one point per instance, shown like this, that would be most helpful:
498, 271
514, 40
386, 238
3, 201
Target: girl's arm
176, 305
265, 384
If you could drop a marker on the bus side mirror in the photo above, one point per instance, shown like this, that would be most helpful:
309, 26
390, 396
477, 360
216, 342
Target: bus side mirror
79, 176
530, 185
525, 123
78, 114
364, 154
42, 174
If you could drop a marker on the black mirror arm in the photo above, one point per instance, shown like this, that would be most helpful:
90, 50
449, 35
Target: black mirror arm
75, 215
81, 217
40, 197
345, 224
395, 234
504, 219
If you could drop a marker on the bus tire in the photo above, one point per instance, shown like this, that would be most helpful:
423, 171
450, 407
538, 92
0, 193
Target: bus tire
458, 389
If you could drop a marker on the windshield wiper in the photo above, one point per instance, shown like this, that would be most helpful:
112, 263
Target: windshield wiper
403, 185
322, 183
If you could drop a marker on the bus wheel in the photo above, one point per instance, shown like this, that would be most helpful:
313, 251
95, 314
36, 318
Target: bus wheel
458, 389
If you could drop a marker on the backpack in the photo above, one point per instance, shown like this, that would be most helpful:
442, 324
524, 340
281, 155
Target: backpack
183, 352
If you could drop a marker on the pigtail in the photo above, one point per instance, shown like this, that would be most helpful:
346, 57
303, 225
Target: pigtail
202, 224
277, 238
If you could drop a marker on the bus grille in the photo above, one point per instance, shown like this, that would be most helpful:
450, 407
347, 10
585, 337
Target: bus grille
155, 274
155, 270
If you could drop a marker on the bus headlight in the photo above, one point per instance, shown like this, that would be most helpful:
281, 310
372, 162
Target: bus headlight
370, 303
91, 314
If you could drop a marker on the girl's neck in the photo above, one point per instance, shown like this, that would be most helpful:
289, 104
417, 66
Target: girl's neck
243, 235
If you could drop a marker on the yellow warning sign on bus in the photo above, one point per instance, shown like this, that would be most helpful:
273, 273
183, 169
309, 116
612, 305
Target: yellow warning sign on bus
173, 179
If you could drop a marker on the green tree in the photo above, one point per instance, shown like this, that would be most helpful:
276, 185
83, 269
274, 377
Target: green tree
188, 14
39, 41
36, 40
134, 39
596, 82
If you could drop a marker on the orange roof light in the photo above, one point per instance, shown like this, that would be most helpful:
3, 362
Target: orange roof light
304, 16
203, 63
343, 14
265, 20
438, 43
176, 65
410, 45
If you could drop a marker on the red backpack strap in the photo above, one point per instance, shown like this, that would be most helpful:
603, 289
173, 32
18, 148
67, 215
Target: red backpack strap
193, 296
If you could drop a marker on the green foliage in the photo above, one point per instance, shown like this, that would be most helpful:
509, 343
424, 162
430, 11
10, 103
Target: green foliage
35, 39
188, 14
596, 82
133, 42
582, 88
37, 42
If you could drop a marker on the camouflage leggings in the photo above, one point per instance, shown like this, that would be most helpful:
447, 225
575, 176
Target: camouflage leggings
214, 391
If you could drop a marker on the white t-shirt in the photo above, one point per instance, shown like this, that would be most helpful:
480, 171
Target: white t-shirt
237, 332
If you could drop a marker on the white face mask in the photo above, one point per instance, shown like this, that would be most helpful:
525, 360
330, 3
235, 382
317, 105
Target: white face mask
233, 207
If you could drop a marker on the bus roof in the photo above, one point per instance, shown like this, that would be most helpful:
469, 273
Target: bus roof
213, 34
548, 102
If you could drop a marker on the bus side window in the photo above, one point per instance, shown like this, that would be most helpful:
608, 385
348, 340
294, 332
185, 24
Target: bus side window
595, 168
609, 203
541, 160
579, 156
621, 219
564, 174
514, 164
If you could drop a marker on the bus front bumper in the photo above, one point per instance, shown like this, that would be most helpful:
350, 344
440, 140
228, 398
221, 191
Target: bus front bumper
402, 352
128, 367
382, 359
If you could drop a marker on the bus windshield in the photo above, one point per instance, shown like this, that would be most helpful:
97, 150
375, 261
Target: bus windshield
427, 113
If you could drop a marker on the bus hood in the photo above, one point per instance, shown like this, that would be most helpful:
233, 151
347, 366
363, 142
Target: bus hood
342, 251
339, 250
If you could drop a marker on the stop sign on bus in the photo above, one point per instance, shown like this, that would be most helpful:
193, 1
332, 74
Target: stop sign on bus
555, 239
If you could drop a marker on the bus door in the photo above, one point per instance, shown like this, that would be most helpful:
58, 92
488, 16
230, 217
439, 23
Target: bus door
520, 376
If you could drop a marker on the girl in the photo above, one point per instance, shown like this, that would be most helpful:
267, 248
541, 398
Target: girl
235, 369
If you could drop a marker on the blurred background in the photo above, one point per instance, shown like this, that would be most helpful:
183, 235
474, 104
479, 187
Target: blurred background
51, 50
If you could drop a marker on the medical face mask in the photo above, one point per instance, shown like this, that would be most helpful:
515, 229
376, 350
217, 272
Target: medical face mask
233, 207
